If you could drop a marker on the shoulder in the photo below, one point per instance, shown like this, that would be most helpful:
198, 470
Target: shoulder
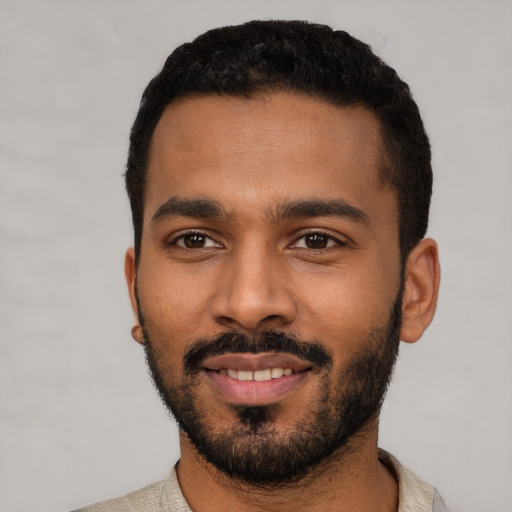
146, 499
414, 494
165, 496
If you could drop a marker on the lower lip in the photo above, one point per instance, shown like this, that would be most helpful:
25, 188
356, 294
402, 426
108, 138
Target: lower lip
252, 392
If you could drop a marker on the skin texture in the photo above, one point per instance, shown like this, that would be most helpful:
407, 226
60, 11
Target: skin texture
253, 269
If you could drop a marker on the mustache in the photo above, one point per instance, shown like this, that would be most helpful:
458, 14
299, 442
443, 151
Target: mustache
266, 341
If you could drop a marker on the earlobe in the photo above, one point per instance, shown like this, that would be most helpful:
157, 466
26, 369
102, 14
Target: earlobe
421, 288
137, 334
130, 272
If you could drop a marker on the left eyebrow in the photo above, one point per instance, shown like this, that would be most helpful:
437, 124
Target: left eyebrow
318, 208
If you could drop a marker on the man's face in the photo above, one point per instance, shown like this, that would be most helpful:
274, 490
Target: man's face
269, 253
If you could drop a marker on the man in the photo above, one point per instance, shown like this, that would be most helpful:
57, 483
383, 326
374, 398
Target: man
279, 177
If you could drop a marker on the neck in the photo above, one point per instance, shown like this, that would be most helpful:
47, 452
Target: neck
352, 478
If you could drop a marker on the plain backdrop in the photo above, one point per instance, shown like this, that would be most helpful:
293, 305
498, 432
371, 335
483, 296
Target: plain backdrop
79, 419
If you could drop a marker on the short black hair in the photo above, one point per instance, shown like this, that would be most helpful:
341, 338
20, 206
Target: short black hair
299, 57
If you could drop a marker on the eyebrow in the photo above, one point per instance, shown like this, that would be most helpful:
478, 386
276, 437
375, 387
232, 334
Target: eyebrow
318, 208
194, 208
209, 209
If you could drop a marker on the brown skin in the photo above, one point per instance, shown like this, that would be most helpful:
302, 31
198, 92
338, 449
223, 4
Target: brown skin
256, 273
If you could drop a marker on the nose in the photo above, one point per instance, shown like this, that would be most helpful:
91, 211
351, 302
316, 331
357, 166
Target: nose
253, 293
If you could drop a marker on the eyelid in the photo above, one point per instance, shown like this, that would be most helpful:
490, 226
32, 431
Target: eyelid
180, 235
338, 239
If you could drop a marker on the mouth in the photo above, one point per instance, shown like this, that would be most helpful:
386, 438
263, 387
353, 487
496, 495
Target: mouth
258, 375
255, 379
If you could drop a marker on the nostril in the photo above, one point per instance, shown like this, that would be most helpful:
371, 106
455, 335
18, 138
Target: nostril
227, 321
249, 324
250, 310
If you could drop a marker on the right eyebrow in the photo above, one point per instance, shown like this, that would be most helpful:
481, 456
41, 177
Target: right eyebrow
194, 208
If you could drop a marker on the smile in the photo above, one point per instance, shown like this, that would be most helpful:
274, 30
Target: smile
255, 379
258, 375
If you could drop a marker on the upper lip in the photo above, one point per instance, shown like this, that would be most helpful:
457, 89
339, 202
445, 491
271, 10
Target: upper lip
255, 362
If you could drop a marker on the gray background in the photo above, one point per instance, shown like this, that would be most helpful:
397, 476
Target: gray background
79, 419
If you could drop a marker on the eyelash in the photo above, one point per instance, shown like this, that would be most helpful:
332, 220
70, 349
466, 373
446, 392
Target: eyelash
329, 236
174, 241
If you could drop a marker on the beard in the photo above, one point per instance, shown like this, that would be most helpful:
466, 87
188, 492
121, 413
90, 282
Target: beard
254, 449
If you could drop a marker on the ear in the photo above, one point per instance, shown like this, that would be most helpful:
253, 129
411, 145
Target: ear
130, 272
422, 275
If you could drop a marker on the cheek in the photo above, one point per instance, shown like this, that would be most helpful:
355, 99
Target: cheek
346, 293
342, 307
172, 304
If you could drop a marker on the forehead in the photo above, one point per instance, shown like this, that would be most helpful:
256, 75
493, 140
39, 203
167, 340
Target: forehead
281, 146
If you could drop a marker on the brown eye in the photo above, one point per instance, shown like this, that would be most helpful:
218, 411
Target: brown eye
316, 241
195, 241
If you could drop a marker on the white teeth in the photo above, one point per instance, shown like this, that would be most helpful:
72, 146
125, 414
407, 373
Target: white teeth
261, 375
243, 375
233, 373
277, 373
258, 375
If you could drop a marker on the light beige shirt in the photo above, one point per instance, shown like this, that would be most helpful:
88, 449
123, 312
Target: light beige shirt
166, 496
